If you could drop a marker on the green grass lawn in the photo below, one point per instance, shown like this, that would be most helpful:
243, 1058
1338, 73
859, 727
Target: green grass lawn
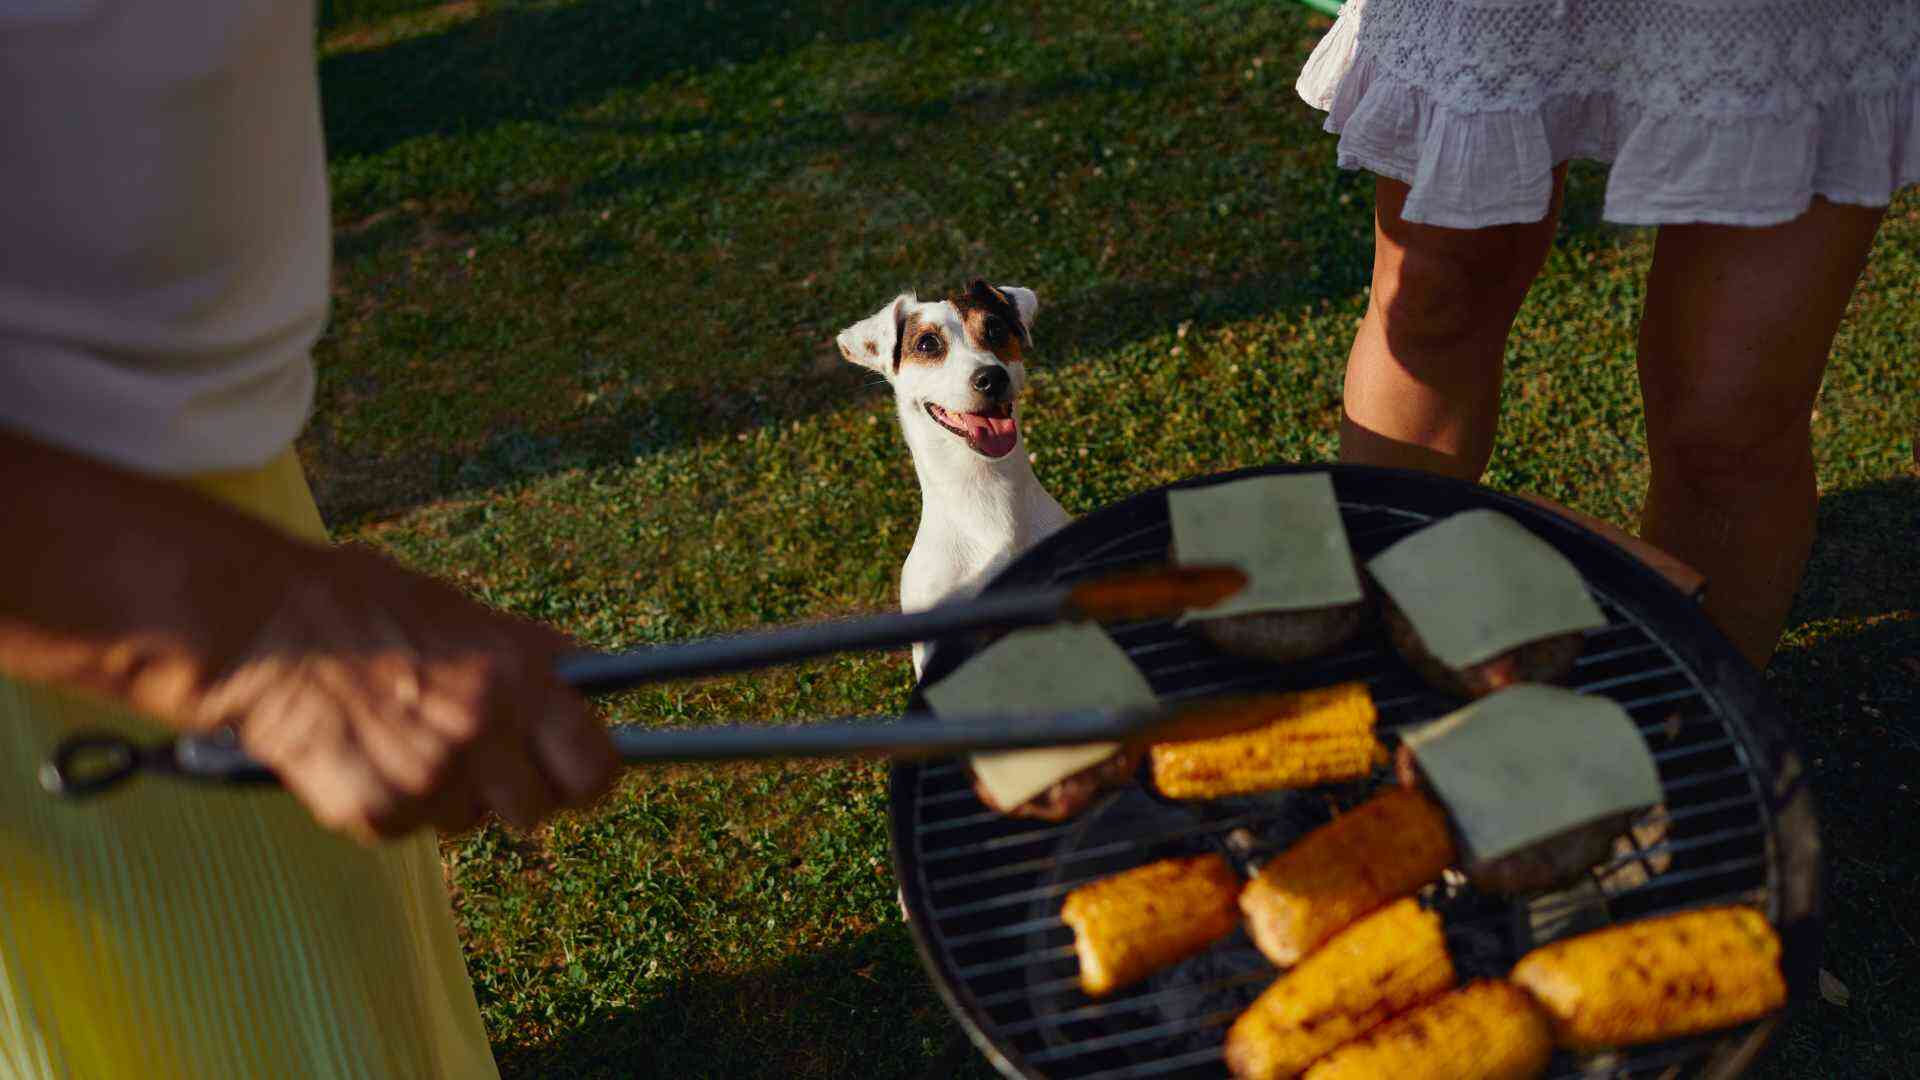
591, 258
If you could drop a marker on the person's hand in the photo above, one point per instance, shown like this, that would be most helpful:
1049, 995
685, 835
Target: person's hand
385, 700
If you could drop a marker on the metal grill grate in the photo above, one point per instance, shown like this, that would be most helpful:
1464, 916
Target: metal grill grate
983, 891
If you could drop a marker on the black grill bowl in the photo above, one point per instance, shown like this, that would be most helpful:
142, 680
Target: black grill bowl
982, 892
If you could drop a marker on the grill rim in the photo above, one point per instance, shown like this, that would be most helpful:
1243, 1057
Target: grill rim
1737, 693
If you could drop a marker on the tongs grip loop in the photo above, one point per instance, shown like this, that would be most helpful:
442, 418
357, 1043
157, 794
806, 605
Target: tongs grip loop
88, 764
93, 762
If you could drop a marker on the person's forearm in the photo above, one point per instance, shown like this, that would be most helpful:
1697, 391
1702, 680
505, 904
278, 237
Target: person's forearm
126, 586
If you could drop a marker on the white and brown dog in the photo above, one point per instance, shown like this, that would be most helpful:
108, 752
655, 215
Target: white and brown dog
957, 367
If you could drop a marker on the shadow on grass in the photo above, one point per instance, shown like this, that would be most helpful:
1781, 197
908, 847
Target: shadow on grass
1855, 698
860, 1009
1866, 558
1849, 675
870, 130
523, 63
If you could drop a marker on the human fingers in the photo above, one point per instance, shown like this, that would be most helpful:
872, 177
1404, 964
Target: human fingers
456, 807
345, 797
452, 805
572, 747
502, 770
324, 767
475, 699
388, 698
294, 714
429, 770
414, 765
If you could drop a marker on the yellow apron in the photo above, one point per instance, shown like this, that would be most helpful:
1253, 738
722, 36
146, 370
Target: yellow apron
168, 930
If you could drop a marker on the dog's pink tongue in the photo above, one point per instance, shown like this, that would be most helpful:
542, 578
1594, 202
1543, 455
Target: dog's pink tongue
994, 435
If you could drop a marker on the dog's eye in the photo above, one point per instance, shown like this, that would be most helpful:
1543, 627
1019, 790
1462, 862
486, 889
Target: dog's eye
928, 343
994, 329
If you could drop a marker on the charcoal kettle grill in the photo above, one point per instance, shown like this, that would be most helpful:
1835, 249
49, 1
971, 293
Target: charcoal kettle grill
982, 892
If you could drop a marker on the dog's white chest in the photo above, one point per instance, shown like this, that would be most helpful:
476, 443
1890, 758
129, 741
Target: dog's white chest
961, 545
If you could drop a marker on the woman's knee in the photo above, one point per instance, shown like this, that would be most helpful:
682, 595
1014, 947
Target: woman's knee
1435, 287
1726, 420
1729, 446
1437, 299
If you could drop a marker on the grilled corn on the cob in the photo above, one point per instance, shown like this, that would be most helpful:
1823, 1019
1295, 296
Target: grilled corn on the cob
1315, 737
1382, 965
1128, 926
1658, 978
1486, 1030
1381, 850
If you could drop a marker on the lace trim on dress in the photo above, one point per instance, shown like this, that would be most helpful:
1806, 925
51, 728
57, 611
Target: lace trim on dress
1473, 158
1666, 56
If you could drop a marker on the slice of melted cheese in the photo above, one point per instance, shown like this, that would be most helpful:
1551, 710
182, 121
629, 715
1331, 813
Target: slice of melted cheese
1479, 584
1284, 532
1049, 670
1532, 761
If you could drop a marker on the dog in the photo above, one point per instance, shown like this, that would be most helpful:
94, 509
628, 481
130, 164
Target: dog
957, 368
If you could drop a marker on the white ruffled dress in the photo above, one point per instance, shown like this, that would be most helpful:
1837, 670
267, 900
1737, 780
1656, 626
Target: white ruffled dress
1733, 112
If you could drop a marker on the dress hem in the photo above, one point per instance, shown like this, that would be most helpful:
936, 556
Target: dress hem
1473, 169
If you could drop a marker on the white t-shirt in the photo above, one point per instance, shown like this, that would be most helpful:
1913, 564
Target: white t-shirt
164, 238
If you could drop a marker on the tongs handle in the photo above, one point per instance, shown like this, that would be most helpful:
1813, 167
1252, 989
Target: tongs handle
909, 737
1160, 592
92, 763
606, 673
217, 757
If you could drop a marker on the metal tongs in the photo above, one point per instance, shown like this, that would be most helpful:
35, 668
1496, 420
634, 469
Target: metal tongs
90, 763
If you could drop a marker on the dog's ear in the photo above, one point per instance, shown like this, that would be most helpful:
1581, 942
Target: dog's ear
1025, 304
874, 342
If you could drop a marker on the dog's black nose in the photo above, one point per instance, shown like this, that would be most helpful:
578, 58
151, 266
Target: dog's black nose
991, 381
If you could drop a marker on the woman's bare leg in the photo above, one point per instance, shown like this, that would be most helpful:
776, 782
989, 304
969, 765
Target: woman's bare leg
1423, 377
1734, 338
